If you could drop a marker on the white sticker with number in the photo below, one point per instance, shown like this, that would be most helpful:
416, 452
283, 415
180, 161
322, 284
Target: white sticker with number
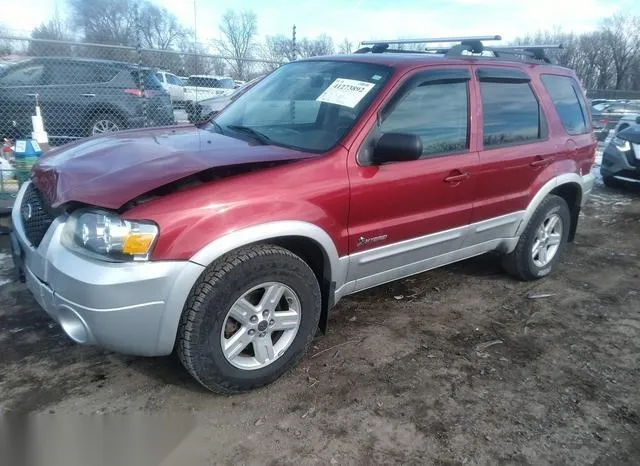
345, 92
21, 146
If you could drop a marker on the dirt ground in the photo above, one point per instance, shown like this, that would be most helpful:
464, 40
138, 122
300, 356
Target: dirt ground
460, 365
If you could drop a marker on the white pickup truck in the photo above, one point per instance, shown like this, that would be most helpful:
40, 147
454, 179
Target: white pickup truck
200, 87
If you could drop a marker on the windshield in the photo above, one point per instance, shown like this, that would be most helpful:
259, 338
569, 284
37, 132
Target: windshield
307, 105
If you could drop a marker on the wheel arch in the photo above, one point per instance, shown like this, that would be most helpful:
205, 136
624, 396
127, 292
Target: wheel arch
569, 187
308, 241
104, 109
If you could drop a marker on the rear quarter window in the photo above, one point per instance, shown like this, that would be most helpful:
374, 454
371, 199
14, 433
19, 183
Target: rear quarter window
567, 99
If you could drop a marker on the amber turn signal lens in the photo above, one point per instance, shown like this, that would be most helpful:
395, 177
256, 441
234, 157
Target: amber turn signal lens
137, 243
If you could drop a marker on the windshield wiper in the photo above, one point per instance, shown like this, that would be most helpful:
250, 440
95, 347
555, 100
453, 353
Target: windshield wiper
257, 135
216, 126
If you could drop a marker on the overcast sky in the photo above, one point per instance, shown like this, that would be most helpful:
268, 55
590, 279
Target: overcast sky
366, 19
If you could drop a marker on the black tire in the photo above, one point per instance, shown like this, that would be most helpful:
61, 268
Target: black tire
520, 263
105, 116
610, 182
198, 345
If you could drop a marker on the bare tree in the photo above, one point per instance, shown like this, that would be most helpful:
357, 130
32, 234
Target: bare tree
622, 36
105, 21
54, 29
238, 39
321, 45
160, 29
276, 49
346, 46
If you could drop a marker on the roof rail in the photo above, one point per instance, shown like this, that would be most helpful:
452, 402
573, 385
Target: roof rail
430, 40
468, 46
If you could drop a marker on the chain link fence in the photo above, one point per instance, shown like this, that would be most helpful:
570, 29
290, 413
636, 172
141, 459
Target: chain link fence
85, 89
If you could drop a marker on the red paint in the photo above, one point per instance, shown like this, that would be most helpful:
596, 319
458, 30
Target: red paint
402, 200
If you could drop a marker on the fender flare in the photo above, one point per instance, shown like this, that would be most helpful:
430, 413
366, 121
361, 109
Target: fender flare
567, 178
273, 230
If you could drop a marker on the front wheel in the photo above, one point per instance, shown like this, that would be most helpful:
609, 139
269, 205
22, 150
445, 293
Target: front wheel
249, 319
542, 242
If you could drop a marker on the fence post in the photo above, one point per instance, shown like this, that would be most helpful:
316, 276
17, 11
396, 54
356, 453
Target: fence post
293, 44
140, 76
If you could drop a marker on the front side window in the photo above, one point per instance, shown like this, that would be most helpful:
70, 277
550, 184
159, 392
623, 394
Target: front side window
565, 96
29, 75
437, 113
511, 113
65, 73
308, 105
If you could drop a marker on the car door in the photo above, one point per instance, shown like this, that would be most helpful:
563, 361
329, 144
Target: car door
409, 216
19, 85
71, 95
516, 151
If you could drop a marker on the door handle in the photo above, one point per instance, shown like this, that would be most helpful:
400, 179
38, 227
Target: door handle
88, 95
540, 162
458, 178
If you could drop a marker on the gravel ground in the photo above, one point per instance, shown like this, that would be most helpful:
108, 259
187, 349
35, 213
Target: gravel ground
460, 365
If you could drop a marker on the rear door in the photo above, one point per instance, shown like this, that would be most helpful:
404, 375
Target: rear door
404, 214
571, 109
516, 151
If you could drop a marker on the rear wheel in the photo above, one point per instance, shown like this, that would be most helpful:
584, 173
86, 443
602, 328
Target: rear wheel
542, 242
105, 123
249, 319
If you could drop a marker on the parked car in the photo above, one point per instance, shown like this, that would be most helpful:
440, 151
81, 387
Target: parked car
80, 97
199, 88
230, 242
625, 122
198, 112
615, 110
173, 85
600, 124
621, 157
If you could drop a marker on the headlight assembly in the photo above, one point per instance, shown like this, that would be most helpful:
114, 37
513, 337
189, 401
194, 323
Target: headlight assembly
621, 144
104, 235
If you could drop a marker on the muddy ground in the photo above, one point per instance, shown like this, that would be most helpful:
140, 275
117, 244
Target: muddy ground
456, 366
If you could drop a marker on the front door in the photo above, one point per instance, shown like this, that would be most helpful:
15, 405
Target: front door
405, 215
19, 86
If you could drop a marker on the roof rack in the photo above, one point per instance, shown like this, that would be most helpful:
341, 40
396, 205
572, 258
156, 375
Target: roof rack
468, 46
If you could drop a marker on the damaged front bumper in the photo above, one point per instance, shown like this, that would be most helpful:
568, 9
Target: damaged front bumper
129, 307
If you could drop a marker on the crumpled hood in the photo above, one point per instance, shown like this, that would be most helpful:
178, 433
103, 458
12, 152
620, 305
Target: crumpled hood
631, 134
108, 171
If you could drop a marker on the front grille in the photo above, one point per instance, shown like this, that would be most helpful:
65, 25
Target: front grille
36, 215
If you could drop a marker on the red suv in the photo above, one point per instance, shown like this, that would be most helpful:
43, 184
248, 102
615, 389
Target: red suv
230, 242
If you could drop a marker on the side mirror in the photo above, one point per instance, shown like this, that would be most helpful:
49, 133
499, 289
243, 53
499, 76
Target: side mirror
397, 147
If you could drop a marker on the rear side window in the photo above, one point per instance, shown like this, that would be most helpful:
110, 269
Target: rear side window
511, 113
565, 95
437, 113
149, 79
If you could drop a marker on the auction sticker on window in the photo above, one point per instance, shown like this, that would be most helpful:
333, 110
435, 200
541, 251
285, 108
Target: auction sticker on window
345, 92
